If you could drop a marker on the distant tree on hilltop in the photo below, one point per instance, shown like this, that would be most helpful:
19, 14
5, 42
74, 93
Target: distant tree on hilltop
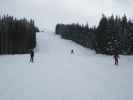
112, 33
16, 36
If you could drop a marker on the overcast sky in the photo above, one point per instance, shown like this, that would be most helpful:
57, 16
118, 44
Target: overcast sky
47, 13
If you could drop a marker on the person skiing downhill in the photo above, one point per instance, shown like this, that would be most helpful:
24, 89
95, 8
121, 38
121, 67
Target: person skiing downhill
72, 51
32, 56
116, 57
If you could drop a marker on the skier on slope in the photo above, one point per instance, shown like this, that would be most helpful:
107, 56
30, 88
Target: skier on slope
32, 55
72, 51
116, 57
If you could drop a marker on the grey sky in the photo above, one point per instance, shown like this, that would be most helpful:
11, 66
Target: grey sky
47, 13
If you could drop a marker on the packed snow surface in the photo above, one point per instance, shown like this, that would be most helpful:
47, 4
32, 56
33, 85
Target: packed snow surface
57, 74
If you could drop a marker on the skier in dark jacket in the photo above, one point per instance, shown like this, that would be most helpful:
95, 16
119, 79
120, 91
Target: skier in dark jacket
72, 51
32, 56
116, 57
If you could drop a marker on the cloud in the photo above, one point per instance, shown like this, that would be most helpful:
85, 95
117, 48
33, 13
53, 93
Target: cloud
123, 1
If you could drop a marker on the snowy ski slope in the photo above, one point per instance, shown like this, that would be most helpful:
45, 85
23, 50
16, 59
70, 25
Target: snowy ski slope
57, 74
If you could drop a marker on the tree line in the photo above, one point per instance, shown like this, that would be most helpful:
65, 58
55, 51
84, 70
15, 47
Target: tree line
112, 33
17, 35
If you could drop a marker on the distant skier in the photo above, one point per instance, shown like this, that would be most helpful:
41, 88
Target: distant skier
116, 57
32, 55
72, 51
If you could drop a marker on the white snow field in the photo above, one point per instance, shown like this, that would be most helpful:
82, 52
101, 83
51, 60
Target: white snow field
57, 74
